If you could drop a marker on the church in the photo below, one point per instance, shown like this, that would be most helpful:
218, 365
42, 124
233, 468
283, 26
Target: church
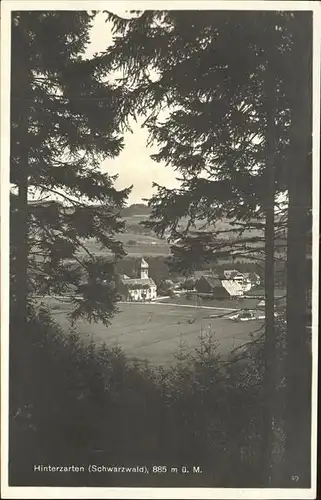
137, 289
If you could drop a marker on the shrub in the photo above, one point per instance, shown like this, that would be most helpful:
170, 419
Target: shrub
76, 403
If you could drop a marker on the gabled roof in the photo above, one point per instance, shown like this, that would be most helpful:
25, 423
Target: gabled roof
137, 282
232, 273
199, 274
213, 281
232, 287
143, 263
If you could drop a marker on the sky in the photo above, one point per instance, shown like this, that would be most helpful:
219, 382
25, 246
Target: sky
134, 165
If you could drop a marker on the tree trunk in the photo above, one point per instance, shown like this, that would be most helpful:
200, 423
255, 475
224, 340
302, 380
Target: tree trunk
21, 229
269, 348
298, 356
298, 364
269, 389
19, 297
22, 247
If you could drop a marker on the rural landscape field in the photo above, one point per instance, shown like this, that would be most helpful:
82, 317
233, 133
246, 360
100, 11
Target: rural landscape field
139, 240
156, 332
159, 322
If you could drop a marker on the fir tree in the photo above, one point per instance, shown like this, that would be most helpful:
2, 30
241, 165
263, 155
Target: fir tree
219, 94
65, 119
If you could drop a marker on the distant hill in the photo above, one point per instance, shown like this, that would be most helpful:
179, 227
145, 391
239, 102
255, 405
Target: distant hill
136, 209
137, 213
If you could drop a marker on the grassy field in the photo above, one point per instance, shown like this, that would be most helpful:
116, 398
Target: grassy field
137, 240
244, 303
136, 245
155, 331
250, 301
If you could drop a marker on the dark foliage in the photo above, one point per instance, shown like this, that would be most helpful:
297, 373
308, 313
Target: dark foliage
206, 108
219, 94
78, 404
65, 120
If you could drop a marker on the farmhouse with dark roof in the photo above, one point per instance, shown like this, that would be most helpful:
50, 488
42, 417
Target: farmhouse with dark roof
219, 287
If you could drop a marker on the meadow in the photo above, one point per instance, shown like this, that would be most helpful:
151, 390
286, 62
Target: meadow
156, 331
135, 245
141, 241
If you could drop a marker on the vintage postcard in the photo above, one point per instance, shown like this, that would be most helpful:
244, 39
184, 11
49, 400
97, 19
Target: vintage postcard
159, 248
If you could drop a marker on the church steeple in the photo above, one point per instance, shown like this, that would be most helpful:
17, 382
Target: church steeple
143, 269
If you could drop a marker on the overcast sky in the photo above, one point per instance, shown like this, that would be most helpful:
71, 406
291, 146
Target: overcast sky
134, 165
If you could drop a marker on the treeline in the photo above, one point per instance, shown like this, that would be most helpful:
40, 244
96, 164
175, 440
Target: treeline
137, 228
136, 209
80, 404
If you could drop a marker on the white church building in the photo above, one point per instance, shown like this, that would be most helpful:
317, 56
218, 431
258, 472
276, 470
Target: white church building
137, 289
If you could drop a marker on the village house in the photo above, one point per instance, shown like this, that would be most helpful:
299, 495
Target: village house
246, 280
232, 283
233, 274
254, 278
219, 287
200, 274
137, 289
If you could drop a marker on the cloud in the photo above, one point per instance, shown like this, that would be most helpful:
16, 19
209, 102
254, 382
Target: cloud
134, 165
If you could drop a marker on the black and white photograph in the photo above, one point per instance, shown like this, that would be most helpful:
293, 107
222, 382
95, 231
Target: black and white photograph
159, 248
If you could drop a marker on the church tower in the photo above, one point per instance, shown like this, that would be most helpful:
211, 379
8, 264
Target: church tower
143, 269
